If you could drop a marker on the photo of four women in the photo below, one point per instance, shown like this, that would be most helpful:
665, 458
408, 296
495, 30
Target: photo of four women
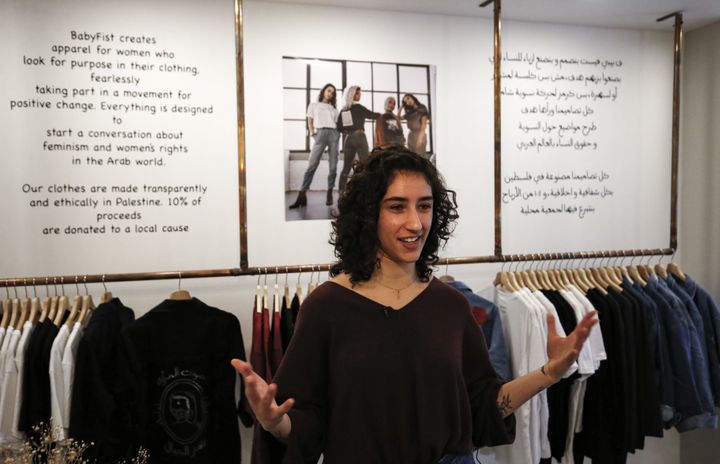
326, 123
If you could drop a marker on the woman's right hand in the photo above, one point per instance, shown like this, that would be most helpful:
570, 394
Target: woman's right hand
261, 397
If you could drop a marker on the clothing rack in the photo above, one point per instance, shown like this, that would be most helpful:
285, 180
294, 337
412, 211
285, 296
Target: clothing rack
300, 268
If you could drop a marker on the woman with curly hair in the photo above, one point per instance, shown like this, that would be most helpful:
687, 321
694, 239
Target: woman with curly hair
387, 364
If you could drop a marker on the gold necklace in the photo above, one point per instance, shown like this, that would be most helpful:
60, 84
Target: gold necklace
398, 290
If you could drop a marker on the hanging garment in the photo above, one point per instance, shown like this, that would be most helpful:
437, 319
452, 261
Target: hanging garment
275, 345
8, 388
35, 406
710, 314
57, 380
94, 412
28, 327
286, 323
487, 316
68, 379
526, 337
177, 384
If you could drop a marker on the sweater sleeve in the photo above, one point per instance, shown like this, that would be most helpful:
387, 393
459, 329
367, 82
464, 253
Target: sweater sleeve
367, 114
489, 428
303, 375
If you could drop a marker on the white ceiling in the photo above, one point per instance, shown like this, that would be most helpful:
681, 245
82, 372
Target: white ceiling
626, 14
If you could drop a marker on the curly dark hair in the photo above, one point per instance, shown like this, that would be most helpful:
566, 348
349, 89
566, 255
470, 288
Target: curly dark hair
354, 228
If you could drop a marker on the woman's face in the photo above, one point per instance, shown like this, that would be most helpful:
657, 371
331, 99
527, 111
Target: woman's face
390, 105
358, 94
408, 101
405, 217
328, 94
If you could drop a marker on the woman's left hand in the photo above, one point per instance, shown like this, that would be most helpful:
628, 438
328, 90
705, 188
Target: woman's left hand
563, 351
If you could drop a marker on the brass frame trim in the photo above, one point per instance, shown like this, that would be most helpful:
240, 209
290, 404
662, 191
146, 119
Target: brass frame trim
236, 272
242, 182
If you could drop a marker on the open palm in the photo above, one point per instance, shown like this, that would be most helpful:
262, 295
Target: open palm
563, 351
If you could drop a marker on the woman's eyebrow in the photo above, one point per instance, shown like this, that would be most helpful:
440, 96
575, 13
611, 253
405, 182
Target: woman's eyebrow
405, 200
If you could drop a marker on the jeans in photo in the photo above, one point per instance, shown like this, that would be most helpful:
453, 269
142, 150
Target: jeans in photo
325, 137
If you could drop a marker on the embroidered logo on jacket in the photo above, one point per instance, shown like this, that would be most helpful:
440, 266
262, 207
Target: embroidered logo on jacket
183, 412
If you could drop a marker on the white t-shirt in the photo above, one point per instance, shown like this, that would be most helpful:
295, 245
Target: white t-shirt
19, 362
322, 114
68, 369
3, 352
595, 338
526, 339
9, 385
57, 383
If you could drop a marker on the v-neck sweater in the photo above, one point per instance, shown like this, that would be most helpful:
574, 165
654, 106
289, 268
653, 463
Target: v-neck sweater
373, 384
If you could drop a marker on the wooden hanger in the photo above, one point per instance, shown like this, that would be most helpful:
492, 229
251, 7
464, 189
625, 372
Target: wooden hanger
46, 303
24, 312
614, 275
258, 296
75, 308
578, 281
299, 289
24, 308
532, 275
265, 299
553, 280
88, 305
511, 280
276, 293
634, 273
594, 282
21, 307
276, 299
624, 273
180, 294
661, 271
607, 278
286, 289
6, 307
107, 295
34, 310
311, 284
582, 274
62, 306
675, 270
528, 281
501, 279
14, 313
611, 282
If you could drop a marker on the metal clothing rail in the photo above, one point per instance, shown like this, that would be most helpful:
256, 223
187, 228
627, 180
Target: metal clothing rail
253, 271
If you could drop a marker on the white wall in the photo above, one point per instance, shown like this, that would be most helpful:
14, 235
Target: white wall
700, 190
465, 42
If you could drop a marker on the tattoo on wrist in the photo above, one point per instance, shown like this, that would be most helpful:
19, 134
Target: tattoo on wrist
542, 369
504, 406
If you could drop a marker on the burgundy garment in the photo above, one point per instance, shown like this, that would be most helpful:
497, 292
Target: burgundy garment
372, 384
266, 344
257, 353
276, 342
262, 366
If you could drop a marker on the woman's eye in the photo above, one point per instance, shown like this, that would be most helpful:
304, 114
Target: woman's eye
425, 206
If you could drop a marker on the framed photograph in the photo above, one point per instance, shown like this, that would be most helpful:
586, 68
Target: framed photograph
335, 111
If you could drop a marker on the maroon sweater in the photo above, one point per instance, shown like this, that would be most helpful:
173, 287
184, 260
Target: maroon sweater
377, 385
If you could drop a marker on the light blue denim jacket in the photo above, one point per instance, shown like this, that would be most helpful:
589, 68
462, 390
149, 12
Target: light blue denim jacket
492, 329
